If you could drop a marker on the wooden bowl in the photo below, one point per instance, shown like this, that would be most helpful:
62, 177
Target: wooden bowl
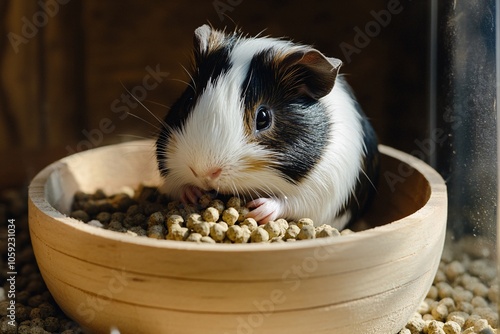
367, 282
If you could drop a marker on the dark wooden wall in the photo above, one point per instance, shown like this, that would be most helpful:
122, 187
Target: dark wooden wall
66, 66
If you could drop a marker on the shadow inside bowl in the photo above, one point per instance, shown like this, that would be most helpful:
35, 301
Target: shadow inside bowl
401, 191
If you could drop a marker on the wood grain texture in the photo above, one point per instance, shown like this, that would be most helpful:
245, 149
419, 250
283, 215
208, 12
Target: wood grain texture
64, 96
20, 116
368, 282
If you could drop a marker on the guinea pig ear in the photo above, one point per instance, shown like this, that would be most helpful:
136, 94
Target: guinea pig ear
206, 38
315, 73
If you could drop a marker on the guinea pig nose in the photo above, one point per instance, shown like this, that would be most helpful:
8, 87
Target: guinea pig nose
214, 173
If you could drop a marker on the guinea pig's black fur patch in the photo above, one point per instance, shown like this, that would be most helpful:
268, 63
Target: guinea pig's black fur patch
299, 133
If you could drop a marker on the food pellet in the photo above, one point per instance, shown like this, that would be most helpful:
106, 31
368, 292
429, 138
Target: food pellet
273, 229
250, 223
451, 327
444, 290
218, 204
306, 232
174, 219
448, 302
205, 200
493, 293
259, 235
178, 233
194, 237
415, 324
230, 216
242, 212
453, 270
218, 231
461, 295
305, 221
156, 218
291, 232
207, 239
481, 325
115, 225
346, 231
326, 231
234, 202
440, 312
202, 228
237, 234
156, 232
435, 325
193, 219
211, 214
283, 224
80, 215
479, 301
103, 217
457, 317
423, 308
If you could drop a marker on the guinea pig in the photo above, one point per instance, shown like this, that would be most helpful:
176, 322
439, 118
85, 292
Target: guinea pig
271, 121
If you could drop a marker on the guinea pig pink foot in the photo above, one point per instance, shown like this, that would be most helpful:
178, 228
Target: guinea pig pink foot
264, 209
191, 194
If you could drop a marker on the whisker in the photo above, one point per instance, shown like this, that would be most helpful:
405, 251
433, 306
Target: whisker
235, 189
142, 105
133, 136
190, 77
369, 180
142, 119
184, 82
353, 194
248, 84
231, 19
159, 104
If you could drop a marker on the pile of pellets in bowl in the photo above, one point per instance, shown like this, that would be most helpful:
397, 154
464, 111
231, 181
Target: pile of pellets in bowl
147, 212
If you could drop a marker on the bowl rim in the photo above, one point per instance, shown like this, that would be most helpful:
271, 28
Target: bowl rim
438, 196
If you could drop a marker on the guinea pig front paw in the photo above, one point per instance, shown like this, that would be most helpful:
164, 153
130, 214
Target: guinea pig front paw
191, 194
264, 209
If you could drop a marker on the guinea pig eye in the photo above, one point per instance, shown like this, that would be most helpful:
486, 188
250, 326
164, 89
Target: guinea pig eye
188, 102
263, 118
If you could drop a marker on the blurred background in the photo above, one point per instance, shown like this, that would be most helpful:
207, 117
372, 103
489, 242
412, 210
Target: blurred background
68, 67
